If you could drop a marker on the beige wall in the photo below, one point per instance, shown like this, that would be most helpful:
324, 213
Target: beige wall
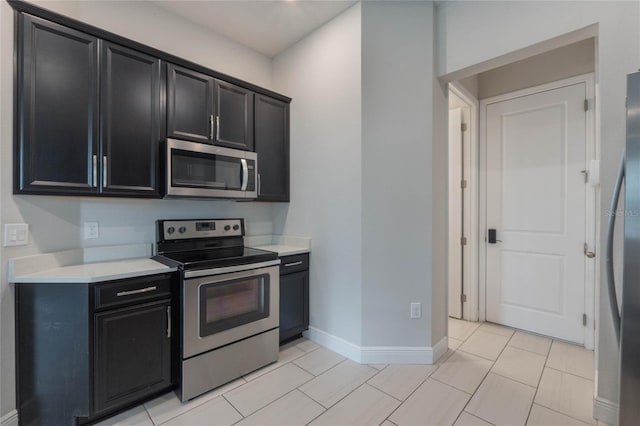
568, 61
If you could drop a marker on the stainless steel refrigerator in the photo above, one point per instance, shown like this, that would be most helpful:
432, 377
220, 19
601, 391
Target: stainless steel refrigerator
627, 321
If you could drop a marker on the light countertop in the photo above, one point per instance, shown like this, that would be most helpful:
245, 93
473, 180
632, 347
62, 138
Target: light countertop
284, 245
89, 265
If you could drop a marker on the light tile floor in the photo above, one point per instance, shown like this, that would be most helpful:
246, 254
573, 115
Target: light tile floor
491, 375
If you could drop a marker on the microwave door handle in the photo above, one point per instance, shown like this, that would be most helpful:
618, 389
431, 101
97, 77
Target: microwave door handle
245, 174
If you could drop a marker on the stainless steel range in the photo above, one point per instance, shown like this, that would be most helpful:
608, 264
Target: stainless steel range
229, 301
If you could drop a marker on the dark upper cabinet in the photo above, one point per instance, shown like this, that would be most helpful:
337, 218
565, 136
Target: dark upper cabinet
57, 134
233, 116
189, 105
272, 146
90, 114
203, 109
132, 121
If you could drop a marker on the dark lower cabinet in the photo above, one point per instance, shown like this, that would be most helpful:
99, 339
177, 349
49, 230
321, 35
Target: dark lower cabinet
132, 354
87, 351
272, 146
294, 295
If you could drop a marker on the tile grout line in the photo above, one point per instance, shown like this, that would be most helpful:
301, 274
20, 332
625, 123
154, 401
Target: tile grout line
411, 394
234, 407
485, 378
571, 374
338, 401
540, 380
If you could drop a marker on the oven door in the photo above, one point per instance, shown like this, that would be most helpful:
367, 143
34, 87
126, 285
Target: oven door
201, 170
222, 309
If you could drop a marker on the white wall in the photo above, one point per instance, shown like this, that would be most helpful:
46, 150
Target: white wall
322, 73
476, 32
397, 73
56, 221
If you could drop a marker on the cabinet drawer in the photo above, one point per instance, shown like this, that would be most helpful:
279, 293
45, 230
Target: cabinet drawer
295, 263
121, 292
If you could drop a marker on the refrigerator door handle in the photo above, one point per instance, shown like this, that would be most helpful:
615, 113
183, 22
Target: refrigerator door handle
611, 284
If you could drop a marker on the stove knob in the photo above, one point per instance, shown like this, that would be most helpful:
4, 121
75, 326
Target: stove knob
227, 227
182, 230
236, 227
171, 230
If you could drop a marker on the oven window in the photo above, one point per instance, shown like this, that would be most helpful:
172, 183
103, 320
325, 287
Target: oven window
200, 170
228, 304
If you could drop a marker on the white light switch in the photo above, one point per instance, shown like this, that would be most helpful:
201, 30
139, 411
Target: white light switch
16, 234
91, 230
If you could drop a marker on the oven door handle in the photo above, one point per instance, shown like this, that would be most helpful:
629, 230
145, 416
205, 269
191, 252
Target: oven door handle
229, 269
245, 174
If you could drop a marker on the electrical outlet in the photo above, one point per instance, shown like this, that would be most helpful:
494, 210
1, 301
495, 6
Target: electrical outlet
91, 230
16, 234
416, 309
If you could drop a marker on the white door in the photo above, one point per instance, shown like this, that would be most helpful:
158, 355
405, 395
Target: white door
455, 213
536, 155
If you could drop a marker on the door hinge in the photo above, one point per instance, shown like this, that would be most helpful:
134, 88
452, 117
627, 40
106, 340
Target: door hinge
463, 241
463, 298
463, 184
586, 105
463, 127
588, 253
585, 173
584, 320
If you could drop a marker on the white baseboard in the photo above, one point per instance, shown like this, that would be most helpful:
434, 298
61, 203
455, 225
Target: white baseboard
606, 411
378, 354
9, 419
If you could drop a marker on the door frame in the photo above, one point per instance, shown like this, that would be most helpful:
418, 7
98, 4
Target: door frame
470, 251
592, 195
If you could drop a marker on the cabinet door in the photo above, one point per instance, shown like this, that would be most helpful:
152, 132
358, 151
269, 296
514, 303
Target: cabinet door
131, 121
272, 146
234, 116
189, 105
132, 354
57, 92
294, 304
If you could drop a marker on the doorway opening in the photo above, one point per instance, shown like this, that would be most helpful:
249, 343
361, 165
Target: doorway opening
488, 281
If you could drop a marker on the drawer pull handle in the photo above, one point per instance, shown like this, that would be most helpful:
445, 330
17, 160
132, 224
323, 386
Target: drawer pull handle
141, 290
287, 265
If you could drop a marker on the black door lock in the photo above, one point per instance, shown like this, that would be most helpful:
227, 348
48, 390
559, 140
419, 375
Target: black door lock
492, 236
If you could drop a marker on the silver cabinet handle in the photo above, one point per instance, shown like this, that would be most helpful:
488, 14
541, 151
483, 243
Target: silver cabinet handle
104, 171
95, 171
211, 127
259, 184
217, 127
287, 265
169, 322
140, 290
245, 174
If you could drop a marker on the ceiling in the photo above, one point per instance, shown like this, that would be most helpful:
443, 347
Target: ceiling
266, 26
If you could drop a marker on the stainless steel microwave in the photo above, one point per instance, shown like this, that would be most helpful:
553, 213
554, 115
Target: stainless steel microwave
197, 170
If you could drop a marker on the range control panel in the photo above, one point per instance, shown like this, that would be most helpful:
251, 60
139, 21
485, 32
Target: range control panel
201, 228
